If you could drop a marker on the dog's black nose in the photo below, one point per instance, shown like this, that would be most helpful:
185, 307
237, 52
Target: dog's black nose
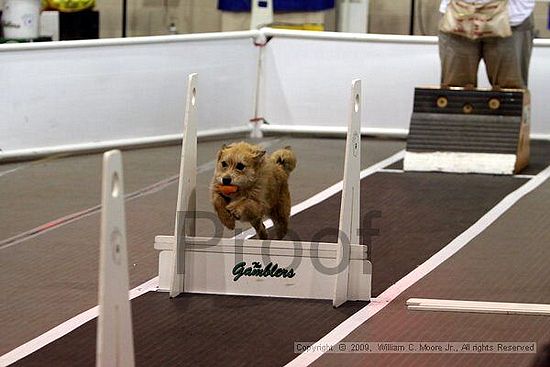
226, 180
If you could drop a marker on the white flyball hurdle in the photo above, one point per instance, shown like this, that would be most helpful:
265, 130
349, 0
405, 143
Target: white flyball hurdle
316, 270
115, 343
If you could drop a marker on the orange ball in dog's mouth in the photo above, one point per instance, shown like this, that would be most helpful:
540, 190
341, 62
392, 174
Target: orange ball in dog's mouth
227, 189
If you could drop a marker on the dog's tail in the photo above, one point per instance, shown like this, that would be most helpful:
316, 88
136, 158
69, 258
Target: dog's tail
285, 158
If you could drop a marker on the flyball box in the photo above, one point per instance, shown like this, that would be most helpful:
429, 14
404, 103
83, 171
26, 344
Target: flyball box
469, 131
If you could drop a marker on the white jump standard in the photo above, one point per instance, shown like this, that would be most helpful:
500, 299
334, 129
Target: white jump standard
115, 342
337, 271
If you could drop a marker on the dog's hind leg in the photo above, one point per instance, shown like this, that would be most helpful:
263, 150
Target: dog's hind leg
280, 216
260, 228
281, 227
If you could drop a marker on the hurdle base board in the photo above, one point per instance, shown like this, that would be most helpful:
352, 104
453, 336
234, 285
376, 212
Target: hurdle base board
460, 162
209, 265
423, 304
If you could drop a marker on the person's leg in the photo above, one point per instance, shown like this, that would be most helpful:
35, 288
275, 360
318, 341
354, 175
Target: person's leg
507, 59
528, 31
459, 60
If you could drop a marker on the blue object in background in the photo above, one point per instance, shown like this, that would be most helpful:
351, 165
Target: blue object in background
548, 25
278, 5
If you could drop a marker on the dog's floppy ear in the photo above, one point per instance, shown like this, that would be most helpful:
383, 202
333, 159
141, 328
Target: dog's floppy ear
224, 146
259, 154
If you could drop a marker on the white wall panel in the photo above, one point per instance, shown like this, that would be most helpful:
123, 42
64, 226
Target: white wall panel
306, 79
94, 92
539, 85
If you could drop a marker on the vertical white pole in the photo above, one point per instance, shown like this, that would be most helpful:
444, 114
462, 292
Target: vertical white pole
343, 16
186, 204
257, 121
115, 342
353, 16
350, 205
262, 13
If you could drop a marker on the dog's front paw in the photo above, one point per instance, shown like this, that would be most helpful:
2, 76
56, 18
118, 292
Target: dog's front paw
228, 221
226, 218
236, 211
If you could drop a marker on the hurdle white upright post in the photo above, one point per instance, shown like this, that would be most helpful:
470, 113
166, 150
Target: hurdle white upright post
350, 205
115, 342
262, 13
186, 204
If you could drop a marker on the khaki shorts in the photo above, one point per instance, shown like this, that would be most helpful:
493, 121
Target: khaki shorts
506, 59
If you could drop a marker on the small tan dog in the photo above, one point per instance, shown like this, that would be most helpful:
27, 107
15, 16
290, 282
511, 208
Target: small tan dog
250, 186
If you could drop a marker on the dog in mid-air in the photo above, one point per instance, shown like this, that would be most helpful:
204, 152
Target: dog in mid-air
249, 186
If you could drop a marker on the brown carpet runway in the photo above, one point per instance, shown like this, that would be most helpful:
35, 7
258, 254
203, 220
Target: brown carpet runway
204, 330
508, 262
420, 213
48, 279
412, 215
407, 218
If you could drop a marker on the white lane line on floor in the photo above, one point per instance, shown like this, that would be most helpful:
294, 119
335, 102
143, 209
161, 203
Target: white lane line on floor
330, 191
336, 188
7, 172
63, 329
391, 170
377, 304
59, 222
68, 326
23, 166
